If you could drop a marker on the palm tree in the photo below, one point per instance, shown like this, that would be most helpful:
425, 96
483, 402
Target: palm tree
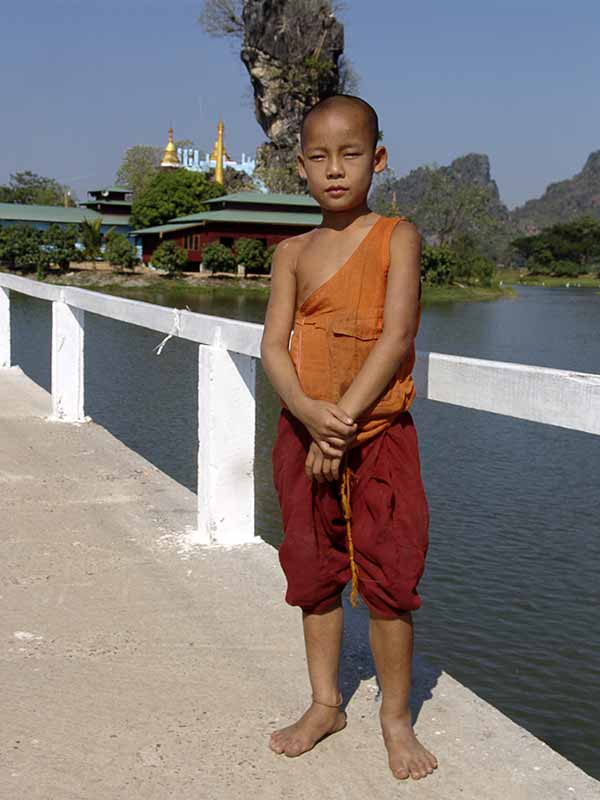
90, 234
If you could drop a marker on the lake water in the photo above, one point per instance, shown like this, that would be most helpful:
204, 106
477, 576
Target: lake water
512, 587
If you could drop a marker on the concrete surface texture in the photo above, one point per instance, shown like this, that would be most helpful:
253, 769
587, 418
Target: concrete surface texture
138, 664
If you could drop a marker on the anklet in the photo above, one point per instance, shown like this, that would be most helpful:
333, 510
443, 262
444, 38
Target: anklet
329, 705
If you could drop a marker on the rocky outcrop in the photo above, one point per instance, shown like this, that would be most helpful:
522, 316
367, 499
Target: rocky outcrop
564, 200
410, 190
292, 53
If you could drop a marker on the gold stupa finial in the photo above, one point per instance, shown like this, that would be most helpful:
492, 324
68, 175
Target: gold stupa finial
394, 210
219, 154
170, 158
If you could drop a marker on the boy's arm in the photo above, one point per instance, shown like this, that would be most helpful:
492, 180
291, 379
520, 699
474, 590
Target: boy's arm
399, 322
323, 420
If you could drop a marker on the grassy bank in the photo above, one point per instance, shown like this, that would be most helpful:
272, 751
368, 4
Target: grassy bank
113, 283
520, 276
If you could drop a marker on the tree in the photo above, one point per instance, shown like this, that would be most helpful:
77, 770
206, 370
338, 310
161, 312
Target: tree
90, 234
22, 247
170, 256
222, 18
139, 165
451, 206
218, 257
234, 180
250, 253
28, 188
173, 193
120, 252
439, 264
269, 257
558, 247
59, 243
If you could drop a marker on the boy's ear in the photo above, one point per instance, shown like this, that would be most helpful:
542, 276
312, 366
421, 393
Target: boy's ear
301, 169
380, 159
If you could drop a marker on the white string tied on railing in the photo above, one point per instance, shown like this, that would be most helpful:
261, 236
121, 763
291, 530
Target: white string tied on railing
175, 330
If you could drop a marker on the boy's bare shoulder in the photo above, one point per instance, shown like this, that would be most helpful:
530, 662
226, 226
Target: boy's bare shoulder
405, 231
289, 250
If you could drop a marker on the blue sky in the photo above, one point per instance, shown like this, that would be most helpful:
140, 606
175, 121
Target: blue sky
82, 81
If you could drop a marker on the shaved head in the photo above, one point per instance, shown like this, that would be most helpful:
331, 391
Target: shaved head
340, 102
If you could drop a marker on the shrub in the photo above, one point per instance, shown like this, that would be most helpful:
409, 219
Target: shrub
250, 253
59, 243
170, 256
218, 258
269, 258
439, 264
566, 268
22, 247
120, 252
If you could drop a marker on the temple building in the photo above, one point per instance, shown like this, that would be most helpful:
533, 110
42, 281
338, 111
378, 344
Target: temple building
114, 200
190, 158
256, 215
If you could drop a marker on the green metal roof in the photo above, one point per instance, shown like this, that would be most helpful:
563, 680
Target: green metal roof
115, 219
250, 216
35, 213
166, 228
266, 198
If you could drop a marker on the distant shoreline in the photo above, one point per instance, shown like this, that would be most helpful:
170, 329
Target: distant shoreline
146, 281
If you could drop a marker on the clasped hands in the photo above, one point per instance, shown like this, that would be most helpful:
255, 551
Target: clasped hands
332, 431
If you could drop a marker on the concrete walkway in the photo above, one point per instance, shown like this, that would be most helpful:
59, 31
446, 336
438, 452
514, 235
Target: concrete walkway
136, 664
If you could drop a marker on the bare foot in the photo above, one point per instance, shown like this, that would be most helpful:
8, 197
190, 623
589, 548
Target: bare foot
406, 754
315, 724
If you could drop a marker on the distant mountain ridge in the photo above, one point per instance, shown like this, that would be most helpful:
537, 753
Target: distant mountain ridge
562, 201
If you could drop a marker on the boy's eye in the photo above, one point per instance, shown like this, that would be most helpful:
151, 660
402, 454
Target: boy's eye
352, 155
316, 158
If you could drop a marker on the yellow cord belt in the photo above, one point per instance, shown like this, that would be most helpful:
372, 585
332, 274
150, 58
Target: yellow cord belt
345, 496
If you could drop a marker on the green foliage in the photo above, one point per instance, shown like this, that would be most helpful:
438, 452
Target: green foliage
566, 268
119, 251
236, 181
251, 253
567, 248
439, 264
28, 188
269, 258
172, 193
473, 266
170, 256
90, 236
22, 247
451, 207
59, 243
218, 257
139, 165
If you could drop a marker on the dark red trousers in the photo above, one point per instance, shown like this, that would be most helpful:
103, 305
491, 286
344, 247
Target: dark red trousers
390, 520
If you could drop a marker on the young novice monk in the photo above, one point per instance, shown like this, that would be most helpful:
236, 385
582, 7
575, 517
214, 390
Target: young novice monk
345, 459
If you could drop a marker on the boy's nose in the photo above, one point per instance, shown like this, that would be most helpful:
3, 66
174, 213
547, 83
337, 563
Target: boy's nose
335, 169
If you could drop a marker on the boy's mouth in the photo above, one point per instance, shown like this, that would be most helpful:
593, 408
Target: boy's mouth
336, 191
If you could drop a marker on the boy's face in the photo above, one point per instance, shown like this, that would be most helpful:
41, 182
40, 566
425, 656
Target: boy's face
338, 158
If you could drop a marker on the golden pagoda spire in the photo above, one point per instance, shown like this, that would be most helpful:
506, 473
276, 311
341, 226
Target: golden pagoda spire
170, 158
219, 153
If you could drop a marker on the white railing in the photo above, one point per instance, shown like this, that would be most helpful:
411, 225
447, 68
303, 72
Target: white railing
227, 350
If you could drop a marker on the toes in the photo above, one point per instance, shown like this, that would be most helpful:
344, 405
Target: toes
401, 773
294, 748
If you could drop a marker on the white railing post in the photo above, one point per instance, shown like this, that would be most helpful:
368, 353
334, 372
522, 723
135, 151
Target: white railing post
67, 362
4, 327
226, 432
